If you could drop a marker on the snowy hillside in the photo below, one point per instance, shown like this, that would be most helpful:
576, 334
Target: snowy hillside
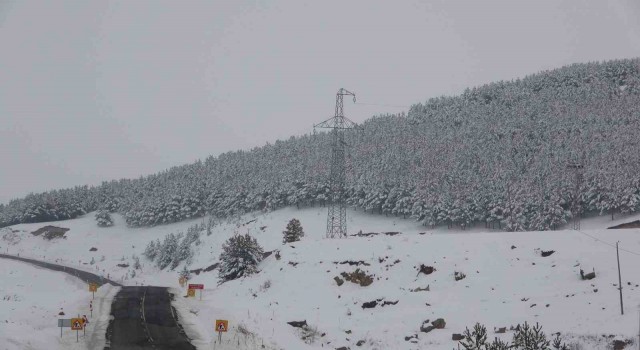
507, 280
30, 300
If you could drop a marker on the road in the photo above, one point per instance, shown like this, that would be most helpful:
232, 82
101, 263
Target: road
83, 275
143, 319
142, 315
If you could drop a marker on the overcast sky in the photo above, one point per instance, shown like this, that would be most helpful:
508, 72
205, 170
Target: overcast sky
100, 90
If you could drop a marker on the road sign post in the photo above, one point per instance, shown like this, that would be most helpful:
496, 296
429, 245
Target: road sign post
63, 322
92, 288
221, 326
76, 325
197, 286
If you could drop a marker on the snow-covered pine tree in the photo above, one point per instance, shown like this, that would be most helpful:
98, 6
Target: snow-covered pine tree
185, 273
103, 218
168, 251
136, 262
184, 251
475, 339
293, 233
530, 338
240, 257
151, 251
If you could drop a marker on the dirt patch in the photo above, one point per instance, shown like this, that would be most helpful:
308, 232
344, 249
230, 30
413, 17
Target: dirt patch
370, 234
206, 269
632, 224
50, 232
352, 263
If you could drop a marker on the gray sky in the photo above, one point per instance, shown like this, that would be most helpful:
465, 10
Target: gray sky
95, 90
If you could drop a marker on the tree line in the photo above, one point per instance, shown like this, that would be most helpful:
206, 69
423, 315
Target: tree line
503, 155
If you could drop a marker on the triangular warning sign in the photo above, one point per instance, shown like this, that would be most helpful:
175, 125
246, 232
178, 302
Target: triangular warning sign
221, 327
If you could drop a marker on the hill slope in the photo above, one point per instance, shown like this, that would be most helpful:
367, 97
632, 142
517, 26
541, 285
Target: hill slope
504, 286
499, 154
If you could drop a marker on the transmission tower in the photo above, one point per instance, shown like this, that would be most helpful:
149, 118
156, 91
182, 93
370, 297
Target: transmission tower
337, 213
578, 170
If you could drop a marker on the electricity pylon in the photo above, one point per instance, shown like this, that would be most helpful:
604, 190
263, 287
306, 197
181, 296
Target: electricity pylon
337, 213
578, 171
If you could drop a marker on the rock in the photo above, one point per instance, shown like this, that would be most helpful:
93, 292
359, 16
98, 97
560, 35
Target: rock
427, 270
338, 280
619, 345
426, 329
343, 348
547, 253
360, 342
502, 330
298, 324
358, 277
513, 247
420, 289
93, 249
370, 304
456, 337
123, 265
439, 323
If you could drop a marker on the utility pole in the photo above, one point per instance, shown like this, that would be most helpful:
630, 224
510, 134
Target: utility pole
619, 279
337, 213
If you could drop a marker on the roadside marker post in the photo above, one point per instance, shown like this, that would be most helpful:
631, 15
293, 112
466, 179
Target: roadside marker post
91, 307
85, 321
197, 286
92, 288
63, 322
221, 326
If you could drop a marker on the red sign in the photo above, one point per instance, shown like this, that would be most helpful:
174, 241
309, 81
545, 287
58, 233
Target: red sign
196, 286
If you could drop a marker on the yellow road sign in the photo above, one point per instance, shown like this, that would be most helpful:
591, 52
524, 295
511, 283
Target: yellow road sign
191, 293
77, 324
222, 325
93, 287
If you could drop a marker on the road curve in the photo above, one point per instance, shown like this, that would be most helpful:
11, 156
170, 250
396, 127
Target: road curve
83, 275
142, 318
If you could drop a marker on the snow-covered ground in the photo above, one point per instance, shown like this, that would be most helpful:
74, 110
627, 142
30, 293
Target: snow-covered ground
32, 297
503, 287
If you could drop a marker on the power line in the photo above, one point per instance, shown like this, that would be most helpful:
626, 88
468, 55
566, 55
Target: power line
607, 243
381, 104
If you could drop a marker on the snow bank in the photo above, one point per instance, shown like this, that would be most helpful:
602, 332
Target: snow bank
32, 297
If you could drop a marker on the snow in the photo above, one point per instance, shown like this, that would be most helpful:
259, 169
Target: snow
30, 299
500, 290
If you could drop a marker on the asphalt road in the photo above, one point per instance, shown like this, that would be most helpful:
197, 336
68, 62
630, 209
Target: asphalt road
143, 319
83, 275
